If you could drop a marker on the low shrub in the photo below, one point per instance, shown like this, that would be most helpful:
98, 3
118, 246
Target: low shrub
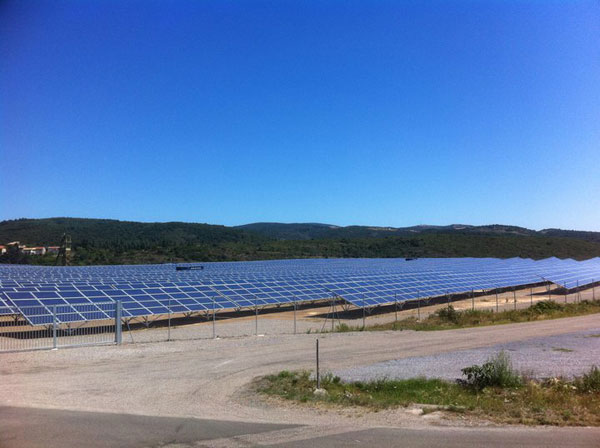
590, 381
496, 372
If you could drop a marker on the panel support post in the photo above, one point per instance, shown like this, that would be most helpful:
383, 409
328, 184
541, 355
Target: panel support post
496, 300
578, 297
472, 301
593, 290
515, 298
54, 327
255, 317
118, 323
395, 307
318, 373
419, 309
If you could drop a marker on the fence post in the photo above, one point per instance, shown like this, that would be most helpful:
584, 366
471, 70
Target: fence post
118, 326
54, 327
531, 297
294, 314
363, 310
213, 323
169, 331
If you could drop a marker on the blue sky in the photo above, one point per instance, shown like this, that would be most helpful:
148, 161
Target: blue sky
375, 112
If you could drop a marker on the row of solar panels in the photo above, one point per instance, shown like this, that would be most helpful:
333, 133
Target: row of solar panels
361, 287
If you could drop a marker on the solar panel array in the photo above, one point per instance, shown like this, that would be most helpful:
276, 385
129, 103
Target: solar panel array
145, 290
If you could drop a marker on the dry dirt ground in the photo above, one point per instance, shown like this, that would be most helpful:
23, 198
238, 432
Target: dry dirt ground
209, 379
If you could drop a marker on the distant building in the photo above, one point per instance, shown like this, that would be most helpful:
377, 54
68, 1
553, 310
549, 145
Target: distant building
34, 250
52, 249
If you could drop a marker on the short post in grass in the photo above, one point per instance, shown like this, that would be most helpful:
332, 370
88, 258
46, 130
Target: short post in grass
294, 314
515, 298
318, 374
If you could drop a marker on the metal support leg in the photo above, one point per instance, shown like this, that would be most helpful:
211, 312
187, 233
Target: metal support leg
496, 300
364, 311
515, 298
472, 301
531, 297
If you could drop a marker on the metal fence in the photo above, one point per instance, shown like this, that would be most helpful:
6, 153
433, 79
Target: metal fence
329, 315
90, 324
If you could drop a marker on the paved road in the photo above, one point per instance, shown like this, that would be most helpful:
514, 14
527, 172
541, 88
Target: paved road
205, 379
48, 428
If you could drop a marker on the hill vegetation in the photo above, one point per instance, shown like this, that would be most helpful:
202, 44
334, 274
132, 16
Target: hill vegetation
101, 241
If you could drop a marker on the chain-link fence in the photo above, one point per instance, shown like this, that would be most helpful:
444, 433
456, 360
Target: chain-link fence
329, 315
56, 326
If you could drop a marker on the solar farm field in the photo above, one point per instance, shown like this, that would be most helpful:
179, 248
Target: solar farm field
42, 297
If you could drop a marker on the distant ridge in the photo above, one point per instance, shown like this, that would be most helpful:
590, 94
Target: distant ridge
107, 241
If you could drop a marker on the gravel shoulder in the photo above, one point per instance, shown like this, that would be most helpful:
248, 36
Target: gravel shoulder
565, 355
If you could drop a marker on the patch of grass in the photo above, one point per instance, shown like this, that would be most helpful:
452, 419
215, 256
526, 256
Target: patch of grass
551, 402
448, 317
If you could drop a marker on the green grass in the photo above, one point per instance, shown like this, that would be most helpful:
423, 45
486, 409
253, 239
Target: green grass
552, 402
448, 318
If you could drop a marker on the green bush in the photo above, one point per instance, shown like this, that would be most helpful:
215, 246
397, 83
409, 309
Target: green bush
545, 306
496, 372
589, 382
448, 314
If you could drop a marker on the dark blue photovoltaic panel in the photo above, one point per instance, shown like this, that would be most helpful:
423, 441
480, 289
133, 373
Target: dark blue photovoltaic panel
147, 290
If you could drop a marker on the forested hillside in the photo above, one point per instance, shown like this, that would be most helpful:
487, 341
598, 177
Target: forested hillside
98, 241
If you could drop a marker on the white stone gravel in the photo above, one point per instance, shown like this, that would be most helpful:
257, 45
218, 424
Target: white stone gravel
564, 355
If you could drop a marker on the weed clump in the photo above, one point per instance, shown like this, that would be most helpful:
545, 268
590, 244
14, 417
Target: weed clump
496, 372
590, 381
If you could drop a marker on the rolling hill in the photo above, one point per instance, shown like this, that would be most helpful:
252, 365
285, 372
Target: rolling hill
103, 241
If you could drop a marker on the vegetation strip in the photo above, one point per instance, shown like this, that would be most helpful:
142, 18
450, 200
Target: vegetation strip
448, 318
493, 391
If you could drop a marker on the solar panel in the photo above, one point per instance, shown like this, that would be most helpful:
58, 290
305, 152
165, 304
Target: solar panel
146, 290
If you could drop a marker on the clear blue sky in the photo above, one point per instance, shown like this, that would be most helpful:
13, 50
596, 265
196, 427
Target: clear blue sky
386, 113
